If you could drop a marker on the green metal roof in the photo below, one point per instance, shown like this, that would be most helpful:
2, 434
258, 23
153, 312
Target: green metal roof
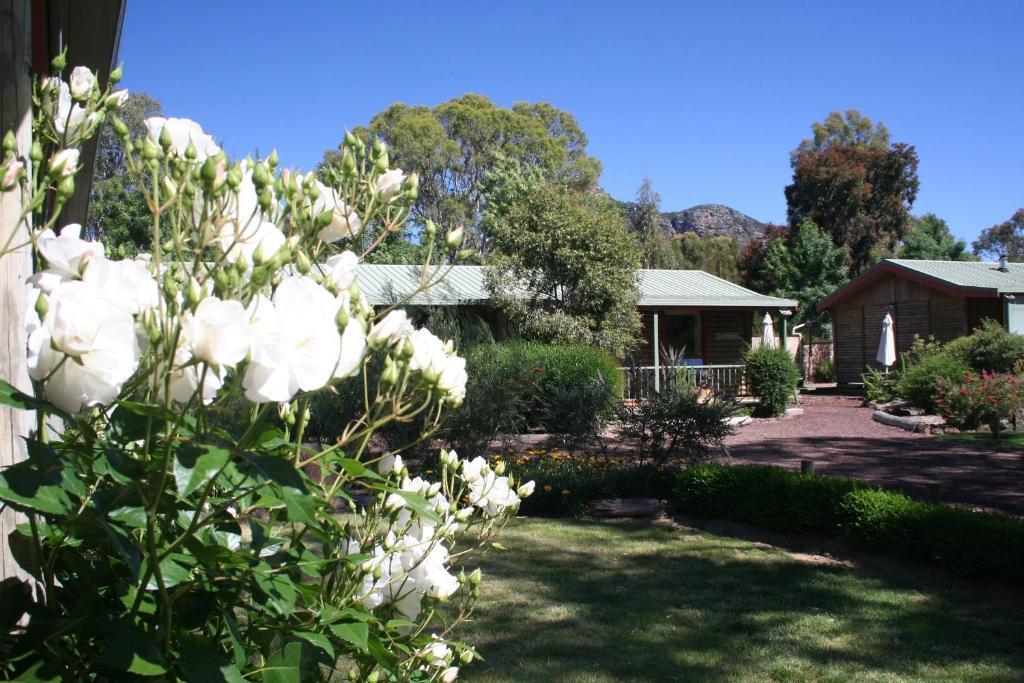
983, 274
959, 278
466, 285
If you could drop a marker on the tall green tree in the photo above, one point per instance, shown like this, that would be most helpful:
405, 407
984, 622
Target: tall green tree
561, 266
929, 238
455, 144
689, 251
1004, 238
117, 215
805, 266
644, 221
721, 257
850, 180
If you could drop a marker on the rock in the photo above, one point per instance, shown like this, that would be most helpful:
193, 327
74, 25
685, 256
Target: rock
714, 220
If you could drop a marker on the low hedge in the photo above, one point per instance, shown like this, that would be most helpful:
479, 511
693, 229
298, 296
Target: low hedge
975, 544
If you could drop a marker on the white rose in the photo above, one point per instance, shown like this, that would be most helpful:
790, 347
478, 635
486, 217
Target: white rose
186, 377
492, 494
218, 331
127, 284
450, 674
345, 222
353, 350
390, 464
67, 254
341, 270
70, 118
304, 351
436, 653
248, 231
64, 162
526, 490
182, 132
82, 82
428, 354
99, 338
117, 99
389, 183
389, 330
453, 378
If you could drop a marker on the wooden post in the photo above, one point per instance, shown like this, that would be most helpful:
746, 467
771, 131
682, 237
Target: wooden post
807, 467
16, 115
657, 357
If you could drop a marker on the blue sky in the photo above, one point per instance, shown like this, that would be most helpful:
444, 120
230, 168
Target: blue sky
706, 98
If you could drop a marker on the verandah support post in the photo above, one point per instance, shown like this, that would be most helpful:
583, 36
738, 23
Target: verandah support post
657, 357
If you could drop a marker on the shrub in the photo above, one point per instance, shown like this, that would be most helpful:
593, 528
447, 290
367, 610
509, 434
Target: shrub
989, 347
922, 366
976, 544
771, 377
676, 424
878, 387
497, 395
980, 399
769, 497
825, 370
516, 386
567, 486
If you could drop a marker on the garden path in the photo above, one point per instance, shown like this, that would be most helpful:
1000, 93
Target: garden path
841, 438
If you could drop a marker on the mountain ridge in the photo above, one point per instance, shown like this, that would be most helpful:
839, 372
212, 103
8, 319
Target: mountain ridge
713, 220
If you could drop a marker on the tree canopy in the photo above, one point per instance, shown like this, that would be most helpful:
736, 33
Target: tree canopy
455, 144
806, 266
643, 219
853, 183
1004, 238
117, 211
929, 238
562, 267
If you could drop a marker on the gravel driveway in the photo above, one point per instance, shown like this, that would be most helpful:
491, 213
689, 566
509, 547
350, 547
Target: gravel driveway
842, 439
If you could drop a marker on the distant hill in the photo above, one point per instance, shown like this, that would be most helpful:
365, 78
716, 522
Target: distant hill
713, 220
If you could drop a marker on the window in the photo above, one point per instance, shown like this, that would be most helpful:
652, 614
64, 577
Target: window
681, 331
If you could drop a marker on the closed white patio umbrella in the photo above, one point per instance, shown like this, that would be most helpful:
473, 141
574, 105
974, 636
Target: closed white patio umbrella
767, 333
887, 345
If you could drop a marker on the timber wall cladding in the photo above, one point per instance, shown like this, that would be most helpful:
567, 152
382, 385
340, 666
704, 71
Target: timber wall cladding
917, 310
727, 334
979, 309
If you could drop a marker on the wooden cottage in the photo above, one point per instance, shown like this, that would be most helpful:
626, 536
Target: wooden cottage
709, 319
941, 299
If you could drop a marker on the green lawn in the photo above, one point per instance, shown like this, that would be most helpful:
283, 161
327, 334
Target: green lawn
598, 601
1008, 440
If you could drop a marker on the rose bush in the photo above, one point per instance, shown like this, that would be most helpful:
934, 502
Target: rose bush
162, 543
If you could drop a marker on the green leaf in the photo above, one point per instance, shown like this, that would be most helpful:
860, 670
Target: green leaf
134, 517
355, 632
199, 664
38, 486
129, 650
300, 505
420, 505
42, 672
357, 469
317, 640
330, 614
195, 465
278, 589
283, 667
9, 396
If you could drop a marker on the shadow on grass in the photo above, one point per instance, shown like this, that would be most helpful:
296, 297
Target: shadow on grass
591, 601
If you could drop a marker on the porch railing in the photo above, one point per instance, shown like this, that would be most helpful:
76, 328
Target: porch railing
721, 380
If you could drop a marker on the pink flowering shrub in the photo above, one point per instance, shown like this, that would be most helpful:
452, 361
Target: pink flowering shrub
987, 399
